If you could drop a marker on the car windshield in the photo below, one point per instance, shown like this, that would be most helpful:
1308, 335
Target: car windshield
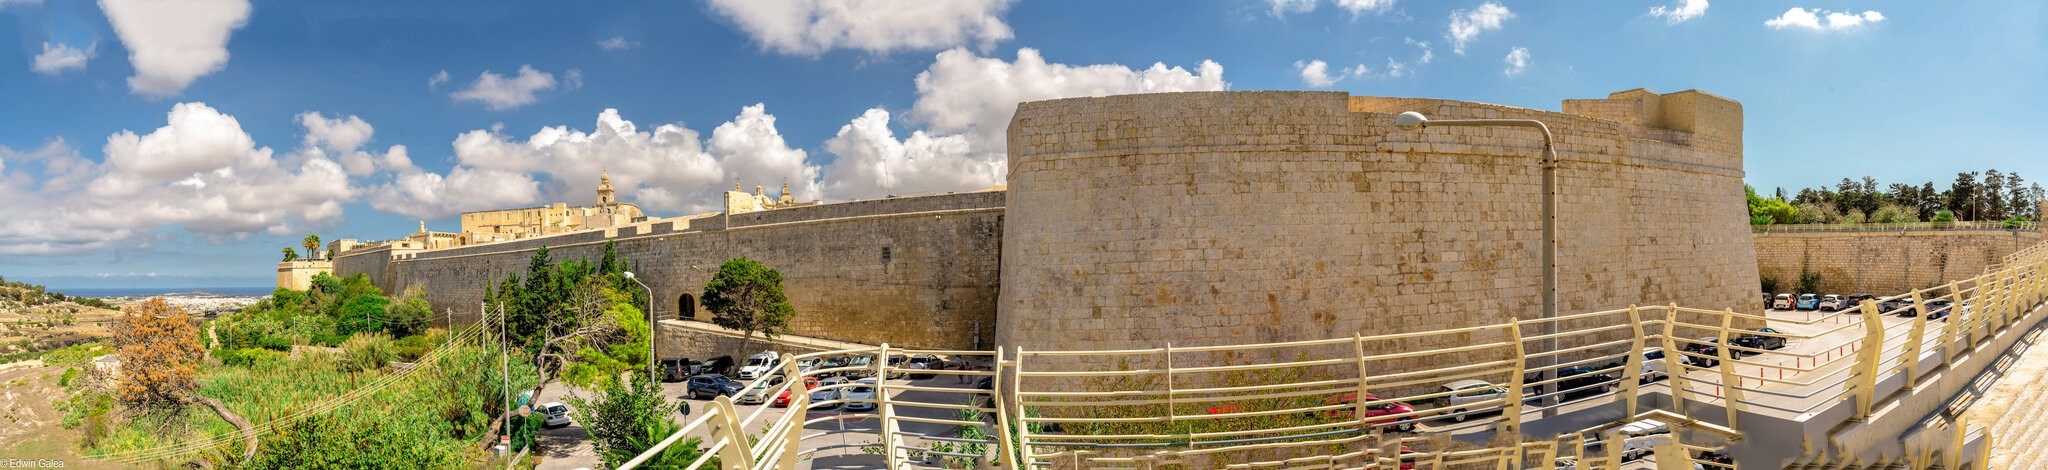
1653, 355
755, 361
863, 389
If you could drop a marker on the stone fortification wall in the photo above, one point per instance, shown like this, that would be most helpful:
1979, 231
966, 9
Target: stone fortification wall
1222, 218
1883, 263
916, 271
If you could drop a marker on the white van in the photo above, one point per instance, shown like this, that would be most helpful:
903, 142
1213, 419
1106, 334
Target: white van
759, 365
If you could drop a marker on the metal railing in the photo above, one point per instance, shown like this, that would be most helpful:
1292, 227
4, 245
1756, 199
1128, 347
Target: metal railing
1381, 400
1897, 227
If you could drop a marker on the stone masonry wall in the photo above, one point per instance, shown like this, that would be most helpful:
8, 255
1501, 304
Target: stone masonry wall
934, 286
1883, 263
1222, 218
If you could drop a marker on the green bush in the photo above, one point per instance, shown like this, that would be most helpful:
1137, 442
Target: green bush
249, 357
367, 352
76, 355
65, 380
1809, 283
1770, 284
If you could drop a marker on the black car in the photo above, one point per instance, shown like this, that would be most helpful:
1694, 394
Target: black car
1705, 347
720, 365
1894, 304
1577, 377
1756, 341
1857, 299
1939, 308
711, 386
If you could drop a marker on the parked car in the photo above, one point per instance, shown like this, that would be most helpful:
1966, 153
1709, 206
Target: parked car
1373, 411
759, 365
1831, 302
1469, 391
1710, 456
1761, 341
826, 365
1767, 301
1709, 347
866, 365
821, 394
1654, 368
782, 399
721, 365
1895, 304
925, 362
758, 393
704, 387
675, 370
861, 397
1807, 302
1857, 299
1940, 308
1582, 380
1782, 302
555, 414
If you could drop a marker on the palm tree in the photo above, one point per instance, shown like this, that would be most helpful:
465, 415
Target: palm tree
312, 245
290, 255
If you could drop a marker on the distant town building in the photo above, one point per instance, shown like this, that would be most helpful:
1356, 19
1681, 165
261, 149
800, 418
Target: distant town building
514, 224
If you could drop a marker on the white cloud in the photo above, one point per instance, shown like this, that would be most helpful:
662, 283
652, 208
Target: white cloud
1284, 7
1467, 24
438, 79
56, 60
811, 27
1316, 74
200, 171
500, 93
616, 43
1396, 69
1428, 54
342, 139
1821, 20
1685, 11
1363, 6
1517, 60
962, 93
172, 43
668, 169
572, 79
1356, 7
870, 162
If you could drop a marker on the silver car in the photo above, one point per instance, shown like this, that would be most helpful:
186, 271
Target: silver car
861, 397
758, 393
823, 394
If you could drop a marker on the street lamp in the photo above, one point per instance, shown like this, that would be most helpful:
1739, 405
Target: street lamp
1413, 121
652, 359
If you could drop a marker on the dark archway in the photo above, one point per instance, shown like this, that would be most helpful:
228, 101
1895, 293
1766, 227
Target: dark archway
686, 307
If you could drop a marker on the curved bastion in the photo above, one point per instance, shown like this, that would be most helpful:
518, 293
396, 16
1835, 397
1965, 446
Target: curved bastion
1220, 218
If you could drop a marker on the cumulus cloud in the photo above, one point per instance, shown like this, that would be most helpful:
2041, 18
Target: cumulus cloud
172, 43
1467, 24
1822, 20
1685, 11
962, 93
1428, 54
871, 162
200, 171
499, 92
811, 27
1316, 73
667, 169
341, 138
62, 57
616, 43
1517, 61
1356, 7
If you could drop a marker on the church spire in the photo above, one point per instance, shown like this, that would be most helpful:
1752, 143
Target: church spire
604, 188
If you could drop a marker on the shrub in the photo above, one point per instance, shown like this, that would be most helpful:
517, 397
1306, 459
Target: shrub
409, 316
1893, 214
249, 357
1809, 282
367, 352
1770, 284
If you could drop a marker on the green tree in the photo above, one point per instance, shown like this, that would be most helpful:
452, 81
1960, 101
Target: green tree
312, 244
1765, 211
625, 420
1893, 214
362, 313
622, 349
290, 255
747, 296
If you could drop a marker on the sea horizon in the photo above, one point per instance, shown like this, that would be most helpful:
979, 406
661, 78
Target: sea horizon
249, 291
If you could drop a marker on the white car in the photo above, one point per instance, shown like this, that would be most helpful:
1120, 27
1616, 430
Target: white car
759, 365
823, 394
1654, 368
556, 414
1469, 391
1831, 302
1641, 439
1782, 302
862, 390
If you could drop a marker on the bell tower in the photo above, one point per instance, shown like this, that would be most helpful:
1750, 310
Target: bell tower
604, 189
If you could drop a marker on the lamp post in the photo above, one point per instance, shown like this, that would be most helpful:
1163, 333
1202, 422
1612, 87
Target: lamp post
652, 359
1413, 121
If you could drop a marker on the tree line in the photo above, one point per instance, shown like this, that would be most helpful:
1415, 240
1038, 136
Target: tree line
1973, 196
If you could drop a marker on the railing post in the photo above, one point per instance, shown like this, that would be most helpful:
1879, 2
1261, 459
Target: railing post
882, 406
1171, 411
1614, 443
1671, 447
1511, 412
1953, 457
1014, 398
1948, 332
736, 454
1632, 368
1913, 339
1864, 380
799, 399
1731, 394
1358, 405
1674, 363
1006, 452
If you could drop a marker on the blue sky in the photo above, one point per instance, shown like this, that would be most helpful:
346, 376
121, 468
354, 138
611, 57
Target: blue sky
185, 143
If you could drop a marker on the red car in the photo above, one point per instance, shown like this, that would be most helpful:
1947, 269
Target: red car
1372, 411
782, 399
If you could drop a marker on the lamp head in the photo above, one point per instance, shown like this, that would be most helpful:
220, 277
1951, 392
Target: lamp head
628, 274
1411, 120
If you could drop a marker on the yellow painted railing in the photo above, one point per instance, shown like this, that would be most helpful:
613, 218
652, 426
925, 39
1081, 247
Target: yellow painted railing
1879, 227
1380, 400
